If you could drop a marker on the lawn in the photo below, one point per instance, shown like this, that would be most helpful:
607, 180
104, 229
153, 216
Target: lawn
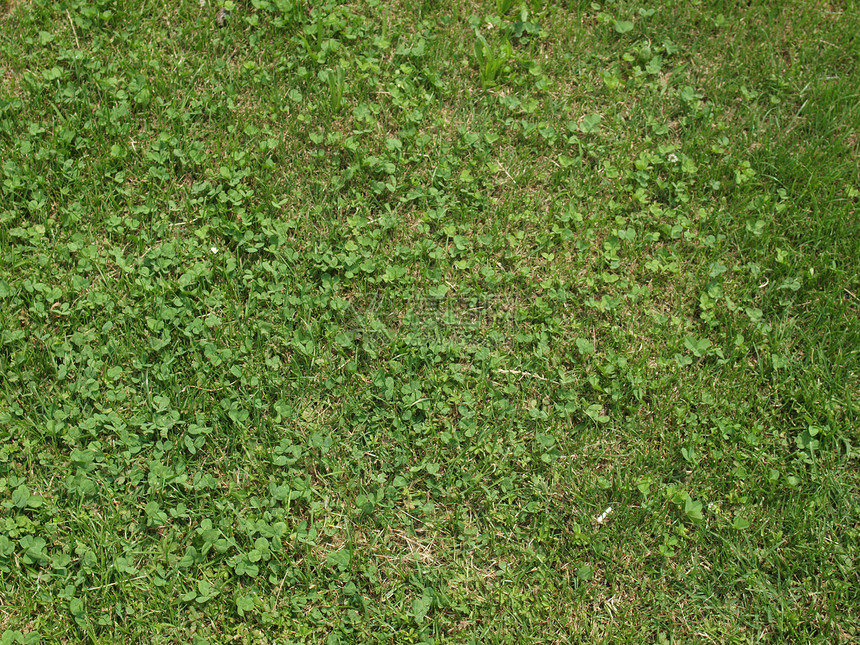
498, 321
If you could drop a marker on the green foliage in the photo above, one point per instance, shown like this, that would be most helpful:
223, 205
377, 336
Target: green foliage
503, 7
491, 62
335, 79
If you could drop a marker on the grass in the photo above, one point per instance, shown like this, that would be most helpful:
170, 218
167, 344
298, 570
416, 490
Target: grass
350, 322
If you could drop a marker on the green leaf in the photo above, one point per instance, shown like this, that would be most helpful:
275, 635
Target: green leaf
338, 559
125, 565
740, 523
420, 606
585, 348
10, 636
806, 440
697, 347
438, 291
590, 123
688, 94
34, 550
623, 26
778, 361
20, 496
479, 51
545, 440
244, 603
76, 607
693, 510
595, 412
584, 573
344, 339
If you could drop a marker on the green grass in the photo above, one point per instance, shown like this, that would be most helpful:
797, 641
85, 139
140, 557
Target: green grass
346, 323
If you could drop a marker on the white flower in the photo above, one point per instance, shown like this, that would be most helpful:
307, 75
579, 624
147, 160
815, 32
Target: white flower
672, 158
214, 250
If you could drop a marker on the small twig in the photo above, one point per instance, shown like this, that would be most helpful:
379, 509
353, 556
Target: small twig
280, 587
113, 584
529, 374
217, 389
74, 31
505, 170
541, 378
850, 294
604, 515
